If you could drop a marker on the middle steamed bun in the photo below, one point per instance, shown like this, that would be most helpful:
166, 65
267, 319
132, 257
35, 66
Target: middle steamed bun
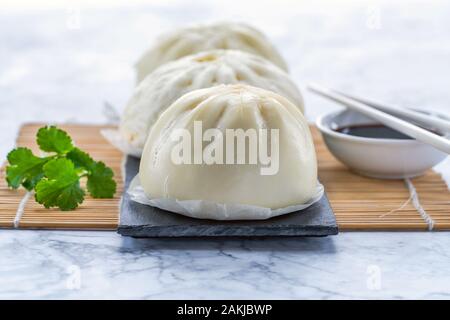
203, 70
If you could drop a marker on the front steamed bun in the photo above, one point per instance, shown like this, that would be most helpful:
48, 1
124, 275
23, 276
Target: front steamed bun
194, 39
231, 107
203, 70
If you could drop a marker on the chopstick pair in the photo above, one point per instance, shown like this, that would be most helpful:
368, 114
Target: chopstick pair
386, 115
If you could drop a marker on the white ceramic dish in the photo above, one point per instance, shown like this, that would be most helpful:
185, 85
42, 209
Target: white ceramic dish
373, 157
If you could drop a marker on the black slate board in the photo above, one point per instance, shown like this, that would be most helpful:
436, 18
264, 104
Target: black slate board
139, 220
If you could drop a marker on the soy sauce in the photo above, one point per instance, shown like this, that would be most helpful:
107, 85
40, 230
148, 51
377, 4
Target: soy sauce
378, 131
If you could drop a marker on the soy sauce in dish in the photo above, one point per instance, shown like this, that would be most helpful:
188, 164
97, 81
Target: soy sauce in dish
378, 131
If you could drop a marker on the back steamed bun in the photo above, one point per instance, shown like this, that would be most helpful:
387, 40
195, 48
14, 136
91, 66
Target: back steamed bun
194, 39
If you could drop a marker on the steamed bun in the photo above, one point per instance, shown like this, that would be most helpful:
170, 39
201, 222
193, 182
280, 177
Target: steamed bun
232, 107
194, 39
169, 82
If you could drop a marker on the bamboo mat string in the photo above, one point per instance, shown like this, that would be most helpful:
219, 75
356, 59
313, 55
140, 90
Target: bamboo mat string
399, 208
414, 197
415, 200
21, 208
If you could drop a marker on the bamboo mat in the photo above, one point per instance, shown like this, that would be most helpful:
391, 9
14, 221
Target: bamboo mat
359, 203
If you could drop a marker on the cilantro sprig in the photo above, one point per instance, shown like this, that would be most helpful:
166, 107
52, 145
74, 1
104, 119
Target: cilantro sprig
55, 178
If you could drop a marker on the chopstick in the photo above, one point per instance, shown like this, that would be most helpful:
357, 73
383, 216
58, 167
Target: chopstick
391, 121
420, 118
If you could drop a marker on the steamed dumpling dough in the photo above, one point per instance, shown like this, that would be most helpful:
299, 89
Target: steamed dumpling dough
232, 107
203, 70
194, 39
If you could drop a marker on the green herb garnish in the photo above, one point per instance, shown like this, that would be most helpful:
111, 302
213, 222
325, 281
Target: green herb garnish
56, 177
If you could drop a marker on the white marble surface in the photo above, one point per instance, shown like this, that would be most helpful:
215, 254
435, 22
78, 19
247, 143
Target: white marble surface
44, 264
56, 70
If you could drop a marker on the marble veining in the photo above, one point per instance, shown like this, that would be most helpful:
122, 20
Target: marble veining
55, 70
43, 264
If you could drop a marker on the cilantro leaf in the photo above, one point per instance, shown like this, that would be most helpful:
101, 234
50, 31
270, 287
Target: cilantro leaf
52, 139
80, 159
100, 181
60, 187
24, 169
56, 178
